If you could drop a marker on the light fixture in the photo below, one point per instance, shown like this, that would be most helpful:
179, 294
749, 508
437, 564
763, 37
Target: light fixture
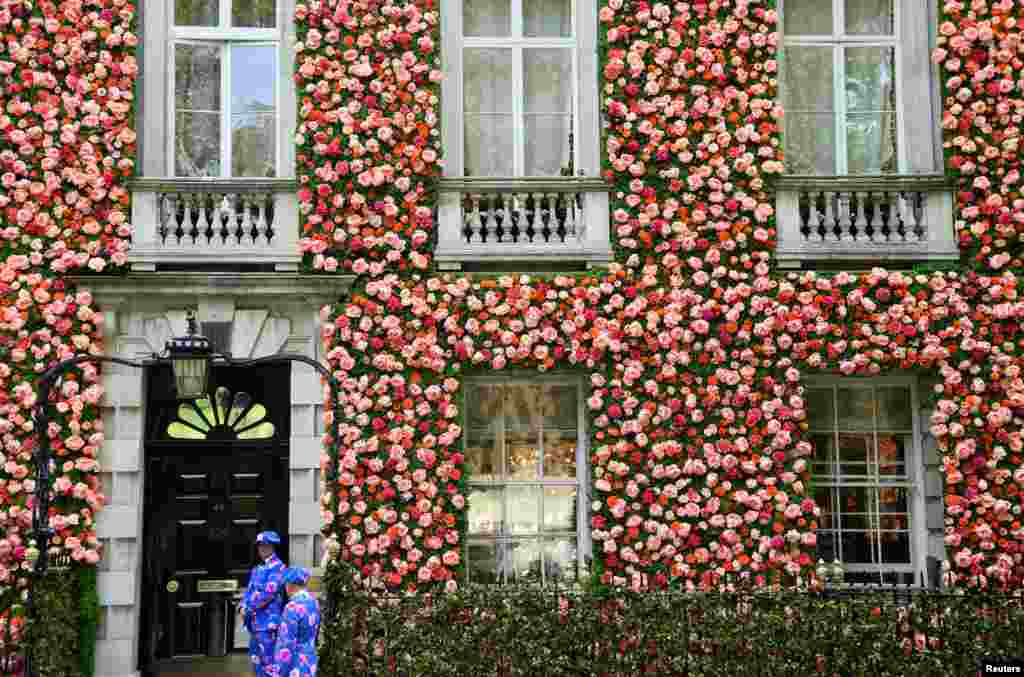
190, 360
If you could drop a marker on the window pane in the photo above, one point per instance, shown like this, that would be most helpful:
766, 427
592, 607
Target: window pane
560, 406
828, 546
856, 408
807, 17
253, 77
892, 454
858, 548
485, 510
547, 145
560, 560
523, 509
871, 143
483, 405
855, 500
823, 458
253, 145
523, 408
870, 79
855, 454
483, 563
486, 18
197, 144
547, 80
807, 76
523, 455
894, 409
197, 78
547, 18
253, 13
560, 455
488, 76
526, 562
895, 547
560, 509
869, 17
820, 408
810, 143
824, 498
482, 455
196, 12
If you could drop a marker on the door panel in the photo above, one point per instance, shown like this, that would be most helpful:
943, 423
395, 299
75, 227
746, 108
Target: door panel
204, 511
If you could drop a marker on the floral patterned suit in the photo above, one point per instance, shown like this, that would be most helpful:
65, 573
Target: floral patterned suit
295, 654
262, 612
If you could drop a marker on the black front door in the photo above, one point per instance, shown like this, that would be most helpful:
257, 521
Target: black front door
206, 508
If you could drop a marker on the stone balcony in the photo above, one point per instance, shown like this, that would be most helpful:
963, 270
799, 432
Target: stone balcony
558, 220
847, 219
209, 223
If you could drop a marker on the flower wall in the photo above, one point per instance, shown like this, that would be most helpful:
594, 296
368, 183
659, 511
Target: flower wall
693, 345
67, 73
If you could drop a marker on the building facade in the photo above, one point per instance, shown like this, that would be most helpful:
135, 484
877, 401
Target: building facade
666, 294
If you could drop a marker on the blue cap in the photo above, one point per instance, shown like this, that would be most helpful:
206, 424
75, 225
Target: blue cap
295, 576
268, 537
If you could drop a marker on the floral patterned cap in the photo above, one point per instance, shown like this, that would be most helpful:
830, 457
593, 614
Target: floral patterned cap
268, 537
295, 576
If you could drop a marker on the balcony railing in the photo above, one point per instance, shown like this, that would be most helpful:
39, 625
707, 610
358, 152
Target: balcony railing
550, 220
852, 218
214, 222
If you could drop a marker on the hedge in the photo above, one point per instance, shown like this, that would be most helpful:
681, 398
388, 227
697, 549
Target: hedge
492, 631
64, 632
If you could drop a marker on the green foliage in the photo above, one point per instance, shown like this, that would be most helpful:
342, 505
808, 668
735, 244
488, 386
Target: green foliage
88, 619
506, 632
54, 636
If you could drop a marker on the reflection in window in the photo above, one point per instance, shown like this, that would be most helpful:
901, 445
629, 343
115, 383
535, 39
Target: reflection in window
228, 417
862, 437
521, 443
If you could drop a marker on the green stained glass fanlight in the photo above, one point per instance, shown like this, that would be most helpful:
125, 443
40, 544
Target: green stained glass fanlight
225, 416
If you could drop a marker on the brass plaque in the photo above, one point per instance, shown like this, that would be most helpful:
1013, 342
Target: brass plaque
224, 585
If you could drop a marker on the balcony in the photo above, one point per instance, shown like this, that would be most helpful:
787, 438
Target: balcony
847, 219
210, 223
526, 220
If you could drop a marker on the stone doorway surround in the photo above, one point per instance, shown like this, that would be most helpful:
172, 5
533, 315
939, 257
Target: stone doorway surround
268, 313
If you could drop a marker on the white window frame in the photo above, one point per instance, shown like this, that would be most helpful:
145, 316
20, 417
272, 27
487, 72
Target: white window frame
914, 481
839, 41
585, 122
584, 543
156, 100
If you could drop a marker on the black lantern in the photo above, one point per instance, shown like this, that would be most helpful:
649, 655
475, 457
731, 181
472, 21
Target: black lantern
190, 360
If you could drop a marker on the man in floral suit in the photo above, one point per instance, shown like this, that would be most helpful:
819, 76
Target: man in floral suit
261, 605
295, 654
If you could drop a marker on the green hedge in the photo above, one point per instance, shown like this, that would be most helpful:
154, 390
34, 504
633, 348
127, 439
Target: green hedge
63, 635
560, 633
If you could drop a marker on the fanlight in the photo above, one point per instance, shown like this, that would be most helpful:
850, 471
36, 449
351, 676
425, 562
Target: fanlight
228, 417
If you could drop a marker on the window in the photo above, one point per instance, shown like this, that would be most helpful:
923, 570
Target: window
225, 91
525, 85
867, 469
841, 86
233, 417
526, 463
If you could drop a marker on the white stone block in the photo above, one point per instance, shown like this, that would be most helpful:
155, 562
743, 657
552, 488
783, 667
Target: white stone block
115, 658
305, 452
117, 521
121, 622
115, 588
120, 455
303, 518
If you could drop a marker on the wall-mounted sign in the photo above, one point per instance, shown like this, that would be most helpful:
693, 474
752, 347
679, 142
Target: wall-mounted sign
221, 585
172, 586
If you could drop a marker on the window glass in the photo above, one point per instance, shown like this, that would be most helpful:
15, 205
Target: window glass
862, 482
868, 17
521, 445
253, 110
807, 17
547, 110
487, 18
547, 18
253, 13
196, 12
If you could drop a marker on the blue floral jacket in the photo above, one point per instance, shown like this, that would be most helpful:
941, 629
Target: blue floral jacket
263, 598
295, 653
